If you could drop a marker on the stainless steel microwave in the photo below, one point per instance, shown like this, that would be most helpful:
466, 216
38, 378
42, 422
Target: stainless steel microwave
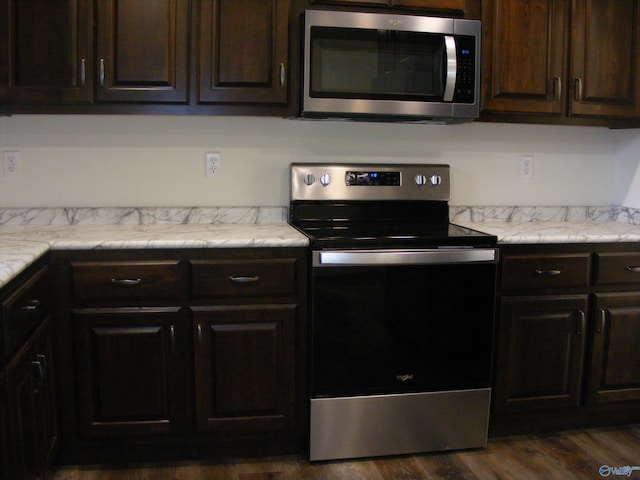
359, 65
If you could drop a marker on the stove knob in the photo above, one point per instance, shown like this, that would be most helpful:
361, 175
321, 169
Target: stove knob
420, 180
435, 180
309, 179
325, 179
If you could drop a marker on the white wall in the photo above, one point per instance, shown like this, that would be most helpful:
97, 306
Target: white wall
627, 180
85, 161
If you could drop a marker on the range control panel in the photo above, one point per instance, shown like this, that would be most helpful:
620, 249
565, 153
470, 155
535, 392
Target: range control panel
317, 181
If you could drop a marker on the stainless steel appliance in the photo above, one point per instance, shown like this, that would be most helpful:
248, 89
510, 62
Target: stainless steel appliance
402, 308
394, 67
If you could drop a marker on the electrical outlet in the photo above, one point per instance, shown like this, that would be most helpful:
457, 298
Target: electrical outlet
526, 167
212, 164
11, 163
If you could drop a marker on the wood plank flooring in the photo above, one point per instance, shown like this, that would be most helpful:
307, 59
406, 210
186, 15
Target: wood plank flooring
575, 455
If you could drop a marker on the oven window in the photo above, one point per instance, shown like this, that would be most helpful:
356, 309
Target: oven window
376, 64
401, 329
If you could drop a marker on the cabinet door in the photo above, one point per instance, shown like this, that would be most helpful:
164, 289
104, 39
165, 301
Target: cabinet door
615, 356
5, 472
31, 403
540, 352
244, 368
523, 49
50, 54
243, 51
131, 371
605, 69
142, 50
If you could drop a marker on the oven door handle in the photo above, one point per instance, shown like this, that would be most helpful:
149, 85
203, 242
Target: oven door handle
330, 258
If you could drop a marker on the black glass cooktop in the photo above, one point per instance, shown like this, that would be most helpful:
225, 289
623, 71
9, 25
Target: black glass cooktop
393, 235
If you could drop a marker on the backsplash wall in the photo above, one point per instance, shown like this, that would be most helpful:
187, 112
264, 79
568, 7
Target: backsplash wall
152, 161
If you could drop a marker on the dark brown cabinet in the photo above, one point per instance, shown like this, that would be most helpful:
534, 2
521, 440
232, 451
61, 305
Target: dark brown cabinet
31, 403
131, 374
28, 414
568, 325
247, 337
131, 338
181, 352
245, 368
555, 59
243, 56
50, 57
5, 441
142, 50
542, 344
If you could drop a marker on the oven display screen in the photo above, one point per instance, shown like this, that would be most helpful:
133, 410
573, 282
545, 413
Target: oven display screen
372, 178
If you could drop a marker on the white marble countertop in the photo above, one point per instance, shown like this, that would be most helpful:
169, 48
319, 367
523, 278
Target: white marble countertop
22, 245
557, 232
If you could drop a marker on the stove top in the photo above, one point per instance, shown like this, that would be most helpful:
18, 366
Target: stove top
392, 235
354, 206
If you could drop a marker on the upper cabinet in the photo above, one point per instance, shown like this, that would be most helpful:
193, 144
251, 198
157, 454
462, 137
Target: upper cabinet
137, 56
49, 51
142, 50
561, 59
243, 53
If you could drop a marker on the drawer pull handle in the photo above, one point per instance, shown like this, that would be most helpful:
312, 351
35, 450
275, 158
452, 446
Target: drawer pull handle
633, 269
32, 305
251, 279
549, 273
126, 282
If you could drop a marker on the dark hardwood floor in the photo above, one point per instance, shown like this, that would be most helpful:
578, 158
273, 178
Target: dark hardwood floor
569, 455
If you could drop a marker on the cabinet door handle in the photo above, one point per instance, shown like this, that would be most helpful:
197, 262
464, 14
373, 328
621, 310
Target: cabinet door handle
199, 335
172, 334
102, 72
126, 282
32, 305
549, 273
603, 321
38, 371
582, 323
245, 279
283, 75
557, 87
578, 85
83, 72
633, 269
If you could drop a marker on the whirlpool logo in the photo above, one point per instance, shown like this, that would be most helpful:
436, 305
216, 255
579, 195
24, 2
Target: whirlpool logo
405, 377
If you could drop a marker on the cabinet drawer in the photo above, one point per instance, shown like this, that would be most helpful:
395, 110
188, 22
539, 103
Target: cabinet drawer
25, 309
243, 278
545, 271
616, 268
126, 280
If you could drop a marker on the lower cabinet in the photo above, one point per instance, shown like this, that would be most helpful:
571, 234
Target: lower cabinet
181, 354
615, 355
132, 377
245, 368
541, 352
567, 343
4, 429
31, 401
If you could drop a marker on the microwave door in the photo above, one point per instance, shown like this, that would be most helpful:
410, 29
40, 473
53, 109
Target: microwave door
451, 68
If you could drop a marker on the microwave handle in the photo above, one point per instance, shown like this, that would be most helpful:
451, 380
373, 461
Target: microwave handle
451, 66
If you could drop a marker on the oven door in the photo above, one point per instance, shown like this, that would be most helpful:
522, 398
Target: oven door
393, 322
